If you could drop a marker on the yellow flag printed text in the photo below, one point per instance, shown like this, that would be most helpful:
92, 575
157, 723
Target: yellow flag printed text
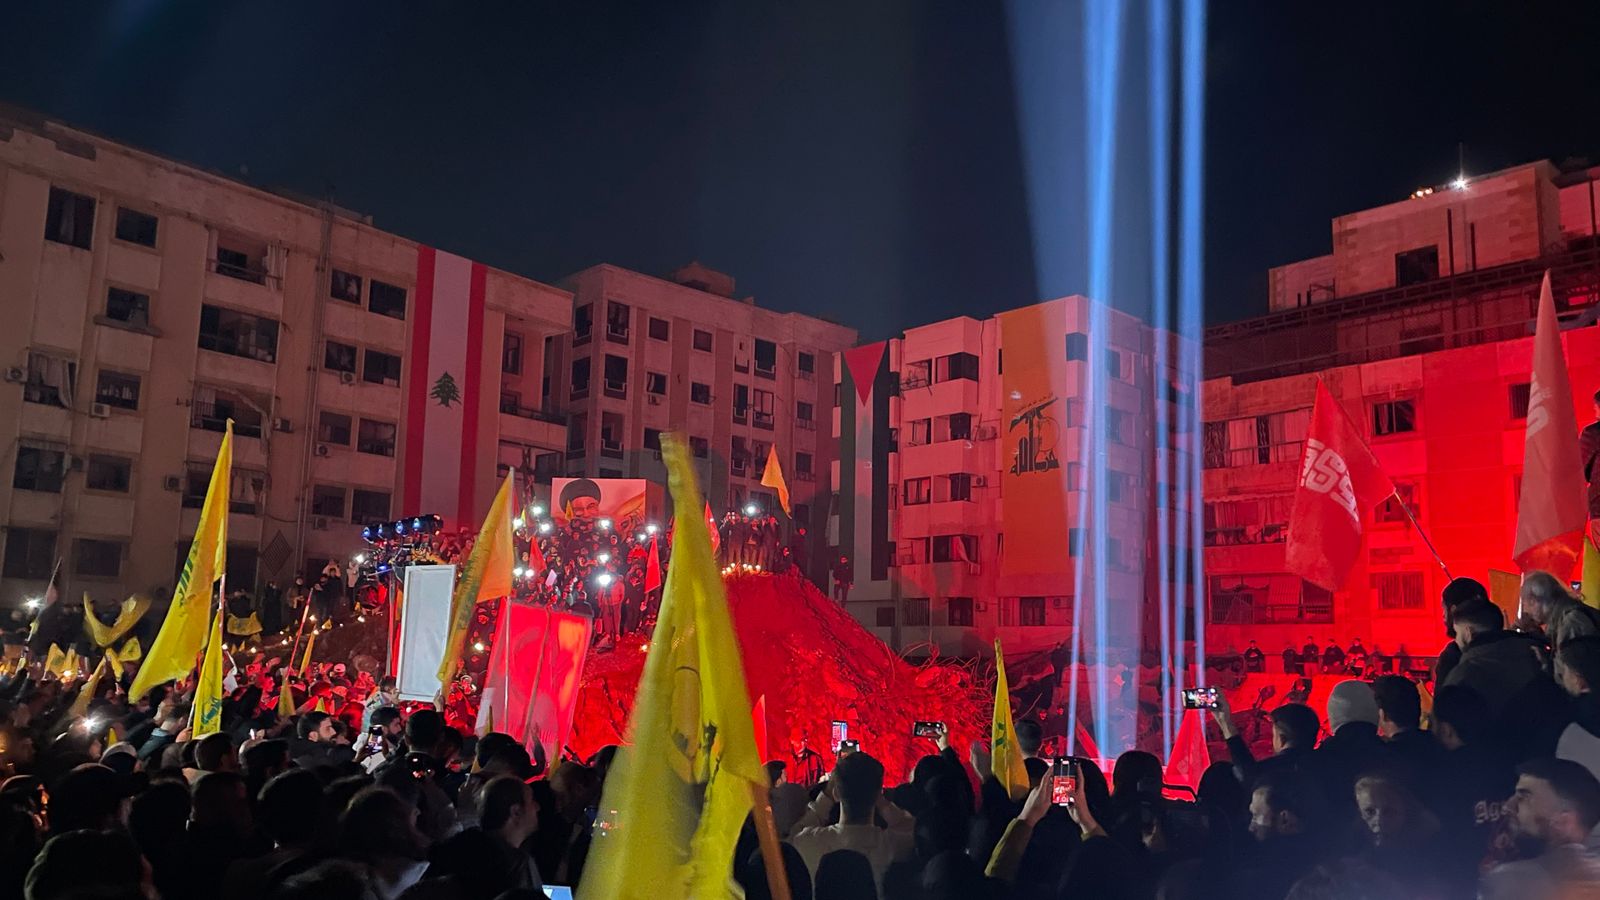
1005, 757
675, 801
183, 632
486, 577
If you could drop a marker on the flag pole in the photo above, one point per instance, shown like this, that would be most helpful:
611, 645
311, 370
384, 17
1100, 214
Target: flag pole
1422, 534
767, 838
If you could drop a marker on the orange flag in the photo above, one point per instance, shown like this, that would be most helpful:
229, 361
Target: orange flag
772, 477
1551, 511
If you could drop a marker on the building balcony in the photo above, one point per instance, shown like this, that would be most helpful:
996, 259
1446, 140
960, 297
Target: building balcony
553, 416
611, 449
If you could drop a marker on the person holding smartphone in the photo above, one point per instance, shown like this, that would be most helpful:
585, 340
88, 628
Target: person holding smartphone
381, 739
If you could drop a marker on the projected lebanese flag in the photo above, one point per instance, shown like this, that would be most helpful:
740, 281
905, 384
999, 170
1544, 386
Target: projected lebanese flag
1339, 479
444, 387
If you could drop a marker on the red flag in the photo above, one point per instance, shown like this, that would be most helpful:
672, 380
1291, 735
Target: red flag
652, 568
758, 716
1339, 478
536, 560
1190, 755
711, 526
1551, 511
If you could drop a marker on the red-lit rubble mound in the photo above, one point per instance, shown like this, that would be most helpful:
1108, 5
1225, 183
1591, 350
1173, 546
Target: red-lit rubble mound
814, 664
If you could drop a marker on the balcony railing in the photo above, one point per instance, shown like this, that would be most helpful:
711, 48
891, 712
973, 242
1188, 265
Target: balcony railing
215, 416
806, 424
250, 273
617, 389
766, 372
512, 408
617, 334
763, 420
805, 476
611, 449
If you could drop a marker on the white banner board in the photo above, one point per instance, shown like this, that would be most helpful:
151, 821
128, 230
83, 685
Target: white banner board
424, 626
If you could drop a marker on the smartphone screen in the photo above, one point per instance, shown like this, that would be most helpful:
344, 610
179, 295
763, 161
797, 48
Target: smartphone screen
1063, 782
841, 733
1200, 698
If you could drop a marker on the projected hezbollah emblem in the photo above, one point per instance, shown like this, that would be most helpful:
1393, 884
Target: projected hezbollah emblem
445, 390
1034, 453
1326, 473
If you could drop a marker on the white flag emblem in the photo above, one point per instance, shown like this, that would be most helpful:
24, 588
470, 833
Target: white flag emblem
1326, 473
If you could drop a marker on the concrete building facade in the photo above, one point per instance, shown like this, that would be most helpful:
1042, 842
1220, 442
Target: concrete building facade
645, 355
146, 302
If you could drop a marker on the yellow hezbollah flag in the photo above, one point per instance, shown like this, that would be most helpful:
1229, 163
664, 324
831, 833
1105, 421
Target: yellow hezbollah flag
679, 792
183, 632
55, 662
1005, 757
305, 661
773, 478
206, 718
80, 703
1504, 591
114, 662
1591, 572
285, 698
487, 576
133, 609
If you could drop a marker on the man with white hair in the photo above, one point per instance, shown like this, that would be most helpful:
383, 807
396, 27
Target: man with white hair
1551, 605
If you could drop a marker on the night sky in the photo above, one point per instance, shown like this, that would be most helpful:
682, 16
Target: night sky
858, 161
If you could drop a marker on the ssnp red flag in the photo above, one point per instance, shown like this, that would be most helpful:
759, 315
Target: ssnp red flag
1551, 511
1339, 478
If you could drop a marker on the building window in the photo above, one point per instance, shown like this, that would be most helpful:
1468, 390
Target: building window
806, 363
247, 492
1416, 266
511, 354
238, 334
128, 307
958, 611
917, 611
69, 219
655, 383
1394, 417
117, 389
916, 374
1519, 394
39, 469
376, 438
327, 500
741, 403
1398, 590
884, 617
333, 428
1391, 510
803, 463
580, 377
763, 404
618, 316
241, 258
702, 341
700, 393
956, 366
578, 435
387, 300
919, 432
660, 329
954, 427
652, 440
700, 446
1077, 347
368, 506
345, 286
381, 368
50, 380
1031, 611
1256, 440
917, 491
109, 473
805, 412
1256, 520
960, 486
838, 394
582, 323
97, 559
30, 553
136, 227
1268, 599
766, 358
955, 548
212, 407
1118, 424
1114, 364
616, 377
337, 357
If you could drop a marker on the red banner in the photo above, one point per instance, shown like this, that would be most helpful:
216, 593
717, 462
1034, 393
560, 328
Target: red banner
1551, 511
1339, 480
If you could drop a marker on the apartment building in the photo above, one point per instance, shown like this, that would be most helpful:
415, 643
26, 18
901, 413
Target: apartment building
646, 355
148, 302
1420, 321
939, 441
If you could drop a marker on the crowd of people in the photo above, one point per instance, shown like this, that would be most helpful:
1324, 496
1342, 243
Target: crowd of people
1488, 788
1331, 659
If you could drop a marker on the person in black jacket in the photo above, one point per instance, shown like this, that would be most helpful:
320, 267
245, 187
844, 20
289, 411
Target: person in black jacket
1412, 752
1505, 668
1588, 452
1472, 777
1457, 593
1294, 735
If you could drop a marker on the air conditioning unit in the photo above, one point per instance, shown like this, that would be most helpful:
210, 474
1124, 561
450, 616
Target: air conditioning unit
100, 410
319, 523
16, 373
74, 463
283, 425
980, 481
347, 378
172, 483
321, 450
